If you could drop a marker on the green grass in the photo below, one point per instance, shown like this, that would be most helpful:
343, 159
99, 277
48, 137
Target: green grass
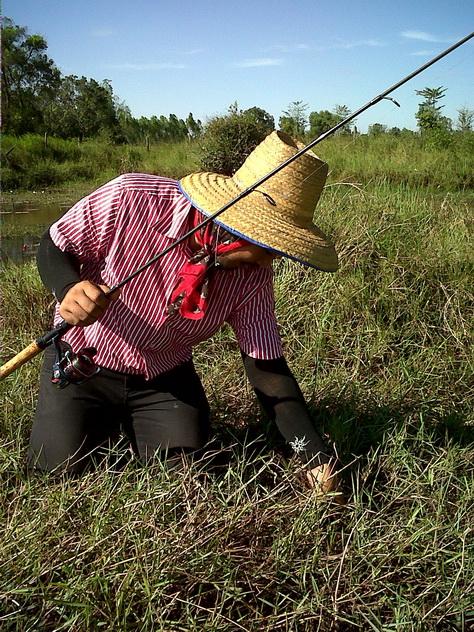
383, 352
67, 165
401, 160
82, 167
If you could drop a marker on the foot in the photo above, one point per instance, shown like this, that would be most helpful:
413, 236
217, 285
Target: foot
326, 482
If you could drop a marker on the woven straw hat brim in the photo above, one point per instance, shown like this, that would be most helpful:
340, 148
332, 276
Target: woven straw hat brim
259, 219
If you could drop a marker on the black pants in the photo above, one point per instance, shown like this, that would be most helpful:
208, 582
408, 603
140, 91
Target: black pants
74, 424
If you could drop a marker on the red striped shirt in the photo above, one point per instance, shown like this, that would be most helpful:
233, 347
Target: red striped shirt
118, 228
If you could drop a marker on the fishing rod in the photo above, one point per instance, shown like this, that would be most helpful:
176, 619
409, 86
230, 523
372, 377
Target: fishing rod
84, 361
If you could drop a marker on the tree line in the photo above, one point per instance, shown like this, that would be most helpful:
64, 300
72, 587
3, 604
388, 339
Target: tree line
37, 98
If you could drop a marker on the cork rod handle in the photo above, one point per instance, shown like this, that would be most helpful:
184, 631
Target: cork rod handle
12, 365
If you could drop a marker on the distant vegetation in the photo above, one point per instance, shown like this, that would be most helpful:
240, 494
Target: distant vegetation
33, 165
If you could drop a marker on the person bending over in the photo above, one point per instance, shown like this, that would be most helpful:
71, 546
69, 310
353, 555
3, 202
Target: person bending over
147, 386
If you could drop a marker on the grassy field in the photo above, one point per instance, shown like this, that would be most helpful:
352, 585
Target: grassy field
66, 167
383, 350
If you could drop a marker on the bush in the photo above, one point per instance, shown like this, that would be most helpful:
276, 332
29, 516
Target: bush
228, 140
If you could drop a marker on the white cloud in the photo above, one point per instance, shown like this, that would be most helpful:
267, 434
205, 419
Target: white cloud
423, 53
367, 42
286, 48
370, 42
103, 32
255, 63
157, 66
424, 37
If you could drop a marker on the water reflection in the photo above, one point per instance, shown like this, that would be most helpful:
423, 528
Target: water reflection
30, 218
18, 249
32, 213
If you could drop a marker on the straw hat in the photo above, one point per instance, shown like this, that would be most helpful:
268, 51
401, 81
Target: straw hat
279, 214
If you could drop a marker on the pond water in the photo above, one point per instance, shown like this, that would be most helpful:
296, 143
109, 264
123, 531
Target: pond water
28, 218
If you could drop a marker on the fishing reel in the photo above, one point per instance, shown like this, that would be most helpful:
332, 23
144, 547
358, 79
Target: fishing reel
70, 367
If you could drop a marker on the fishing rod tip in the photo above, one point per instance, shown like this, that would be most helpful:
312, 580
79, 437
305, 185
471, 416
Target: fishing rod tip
393, 101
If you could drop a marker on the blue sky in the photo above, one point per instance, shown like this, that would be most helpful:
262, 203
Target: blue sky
181, 56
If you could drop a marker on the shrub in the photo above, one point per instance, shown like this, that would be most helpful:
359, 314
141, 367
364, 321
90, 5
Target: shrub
228, 140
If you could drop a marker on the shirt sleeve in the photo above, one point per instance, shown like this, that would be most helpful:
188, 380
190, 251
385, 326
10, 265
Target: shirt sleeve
255, 325
282, 400
58, 270
85, 230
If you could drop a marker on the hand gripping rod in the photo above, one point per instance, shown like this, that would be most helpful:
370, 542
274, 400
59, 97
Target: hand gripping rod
44, 341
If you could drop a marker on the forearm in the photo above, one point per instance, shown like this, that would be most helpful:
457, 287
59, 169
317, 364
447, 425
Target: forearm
81, 301
283, 402
58, 270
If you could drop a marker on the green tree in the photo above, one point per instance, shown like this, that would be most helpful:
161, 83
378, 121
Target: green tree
83, 108
129, 127
193, 127
342, 112
29, 79
61, 116
294, 120
177, 128
376, 129
322, 121
261, 117
465, 120
429, 116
